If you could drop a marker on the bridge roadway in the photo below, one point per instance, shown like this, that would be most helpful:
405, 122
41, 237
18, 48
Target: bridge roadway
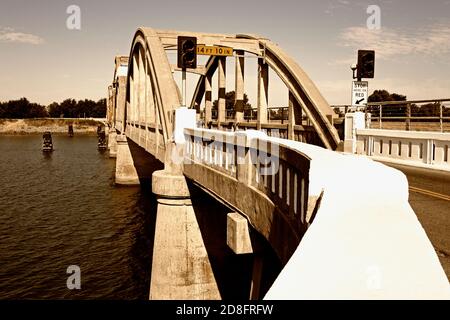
429, 196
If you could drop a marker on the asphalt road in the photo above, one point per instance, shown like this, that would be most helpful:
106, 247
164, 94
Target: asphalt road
429, 196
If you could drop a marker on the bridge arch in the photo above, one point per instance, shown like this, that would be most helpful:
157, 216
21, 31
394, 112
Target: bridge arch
152, 93
305, 94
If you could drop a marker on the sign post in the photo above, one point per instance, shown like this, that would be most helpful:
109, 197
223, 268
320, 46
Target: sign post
360, 90
186, 58
183, 86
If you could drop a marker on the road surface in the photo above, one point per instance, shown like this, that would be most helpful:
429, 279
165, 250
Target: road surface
429, 196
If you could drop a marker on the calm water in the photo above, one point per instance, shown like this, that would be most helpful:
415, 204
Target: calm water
63, 209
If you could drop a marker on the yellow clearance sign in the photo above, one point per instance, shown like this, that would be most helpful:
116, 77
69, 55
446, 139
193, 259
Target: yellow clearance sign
214, 51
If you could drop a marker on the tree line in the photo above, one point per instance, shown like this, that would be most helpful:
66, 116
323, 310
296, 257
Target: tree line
400, 110
69, 108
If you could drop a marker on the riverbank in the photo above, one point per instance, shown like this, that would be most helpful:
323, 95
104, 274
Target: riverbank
56, 126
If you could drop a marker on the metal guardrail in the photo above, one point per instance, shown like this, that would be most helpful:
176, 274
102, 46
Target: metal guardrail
274, 114
250, 115
412, 115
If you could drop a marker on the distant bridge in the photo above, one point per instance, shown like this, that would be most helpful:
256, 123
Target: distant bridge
283, 180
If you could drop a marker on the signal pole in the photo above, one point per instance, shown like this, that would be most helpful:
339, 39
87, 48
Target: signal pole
186, 58
183, 86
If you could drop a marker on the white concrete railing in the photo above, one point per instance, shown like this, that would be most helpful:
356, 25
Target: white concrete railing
365, 241
226, 152
429, 149
265, 181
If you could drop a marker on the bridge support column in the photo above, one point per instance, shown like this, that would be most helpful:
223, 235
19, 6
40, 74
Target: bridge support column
263, 93
208, 100
126, 173
181, 269
239, 87
221, 110
112, 143
295, 115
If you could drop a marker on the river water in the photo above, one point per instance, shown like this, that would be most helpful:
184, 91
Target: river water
63, 209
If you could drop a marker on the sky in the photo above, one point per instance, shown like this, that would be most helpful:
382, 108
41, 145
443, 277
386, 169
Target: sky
43, 60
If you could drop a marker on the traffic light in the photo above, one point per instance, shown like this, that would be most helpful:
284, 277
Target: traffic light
187, 52
366, 64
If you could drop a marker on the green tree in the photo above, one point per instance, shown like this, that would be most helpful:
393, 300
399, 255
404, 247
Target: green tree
22, 108
69, 108
54, 110
99, 110
229, 102
430, 110
2, 110
37, 111
388, 111
384, 95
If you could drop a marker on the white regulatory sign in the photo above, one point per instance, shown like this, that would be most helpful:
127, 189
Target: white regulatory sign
360, 90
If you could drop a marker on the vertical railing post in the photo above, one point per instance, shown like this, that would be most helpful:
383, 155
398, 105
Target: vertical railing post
428, 154
408, 117
380, 115
441, 122
243, 161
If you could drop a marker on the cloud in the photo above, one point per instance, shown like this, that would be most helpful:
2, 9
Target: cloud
430, 41
334, 5
345, 61
11, 36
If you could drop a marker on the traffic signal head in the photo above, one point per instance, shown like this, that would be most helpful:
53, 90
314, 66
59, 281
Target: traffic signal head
187, 52
366, 64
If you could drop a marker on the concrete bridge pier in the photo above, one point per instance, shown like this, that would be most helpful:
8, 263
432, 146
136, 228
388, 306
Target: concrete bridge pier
112, 143
181, 269
240, 241
126, 173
